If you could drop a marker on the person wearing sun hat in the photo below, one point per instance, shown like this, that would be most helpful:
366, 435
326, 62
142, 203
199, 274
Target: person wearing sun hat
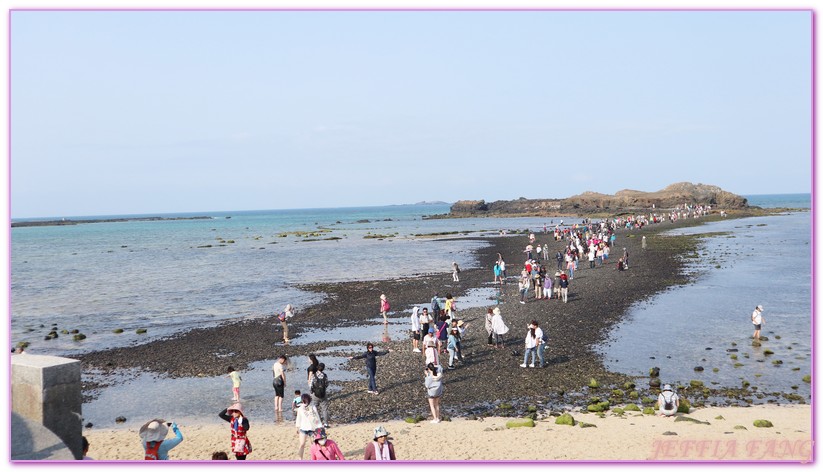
153, 436
380, 449
325, 449
668, 401
240, 444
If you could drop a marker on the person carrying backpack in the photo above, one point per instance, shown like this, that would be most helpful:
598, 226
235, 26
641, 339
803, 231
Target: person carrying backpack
153, 436
319, 384
668, 401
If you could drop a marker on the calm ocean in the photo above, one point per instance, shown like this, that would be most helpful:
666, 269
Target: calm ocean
129, 275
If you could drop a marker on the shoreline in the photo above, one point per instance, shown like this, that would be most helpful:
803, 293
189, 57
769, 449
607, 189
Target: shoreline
598, 299
722, 434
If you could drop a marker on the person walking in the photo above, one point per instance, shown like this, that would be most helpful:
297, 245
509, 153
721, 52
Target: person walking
371, 365
307, 421
559, 257
455, 272
318, 389
531, 346
153, 437
541, 342
435, 304
434, 389
452, 345
564, 287
235, 383
523, 286
425, 323
325, 449
547, 286
499, 327
381, 449
432, 355
384, 308
240, 444
757, 321
284, 317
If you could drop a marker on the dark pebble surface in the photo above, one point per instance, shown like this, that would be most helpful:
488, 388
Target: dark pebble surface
598, 300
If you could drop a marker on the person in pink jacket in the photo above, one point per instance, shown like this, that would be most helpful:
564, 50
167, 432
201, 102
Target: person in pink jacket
325, 449
384, 308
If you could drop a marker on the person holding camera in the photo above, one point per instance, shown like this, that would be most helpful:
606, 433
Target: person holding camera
153, 436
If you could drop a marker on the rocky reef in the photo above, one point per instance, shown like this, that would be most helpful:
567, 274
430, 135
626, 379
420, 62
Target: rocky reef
592, 202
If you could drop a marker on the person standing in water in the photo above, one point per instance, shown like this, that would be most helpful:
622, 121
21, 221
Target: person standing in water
384, 308
757, 321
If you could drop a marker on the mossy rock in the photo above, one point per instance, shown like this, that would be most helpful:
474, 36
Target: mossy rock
617, 393
648, 410
617, 411
684, 406
565, 419
719, 417
807, 378
631, 407
733, 357
22, 344
593, 400
117, 331
746, 383
768, 352
654, 383
64, 331
755, 343
628, 386
706, 392
587, 425
777, 362
654, 372
411, 419
79, 337
531, 409
505, 406
715, 370
634, 395
520, 423
763, 424
648, 400
596, 408
141, 331
75, 331
740, 426
737, 364
230, 241
696, 383
593, 383
794, 397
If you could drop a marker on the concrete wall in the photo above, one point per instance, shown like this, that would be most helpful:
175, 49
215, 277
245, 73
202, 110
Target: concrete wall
46, 390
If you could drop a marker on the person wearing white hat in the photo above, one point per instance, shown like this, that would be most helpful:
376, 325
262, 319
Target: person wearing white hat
499, 328
284, 316
384, 308
153, 436
381, 449
668, 401
757, 321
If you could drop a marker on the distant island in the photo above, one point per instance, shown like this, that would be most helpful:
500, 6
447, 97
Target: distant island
67, 222
588, 203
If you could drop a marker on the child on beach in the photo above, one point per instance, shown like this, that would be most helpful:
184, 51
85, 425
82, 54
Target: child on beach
297, 402
235, 383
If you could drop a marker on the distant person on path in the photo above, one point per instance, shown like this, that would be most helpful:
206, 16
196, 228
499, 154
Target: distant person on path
279, 382
415, 328
325, 449
498, 274
559, 257
499, 328
434, 389
757, 321
545, 252
381, 449
455, 272
425, 324
307, 422
318, 389
541, 342
668, 401
430, 348
523, 286
240, 445
453, 346
235, 383
625, 258
643, 242
435, 303
488, 325
530, 346
564, 287
153, 437
371, 365
384, 308
284, 317
547, 286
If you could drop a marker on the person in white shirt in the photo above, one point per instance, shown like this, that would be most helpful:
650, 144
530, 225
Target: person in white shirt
541, 342
757, 321
668, 401
531, 346
415, 328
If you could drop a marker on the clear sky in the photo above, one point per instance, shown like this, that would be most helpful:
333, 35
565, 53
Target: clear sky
155, 112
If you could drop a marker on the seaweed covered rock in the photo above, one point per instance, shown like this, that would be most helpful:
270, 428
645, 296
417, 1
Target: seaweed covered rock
565, 419
520, 423
763, 424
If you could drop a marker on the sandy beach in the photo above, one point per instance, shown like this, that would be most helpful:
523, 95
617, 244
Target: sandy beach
629, 437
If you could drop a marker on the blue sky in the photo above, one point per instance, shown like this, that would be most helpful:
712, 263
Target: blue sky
155, 112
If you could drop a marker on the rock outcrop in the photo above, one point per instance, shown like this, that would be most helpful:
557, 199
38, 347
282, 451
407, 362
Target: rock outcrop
592, 202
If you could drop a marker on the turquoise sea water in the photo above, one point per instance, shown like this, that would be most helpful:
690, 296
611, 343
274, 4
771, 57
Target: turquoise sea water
96, 277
